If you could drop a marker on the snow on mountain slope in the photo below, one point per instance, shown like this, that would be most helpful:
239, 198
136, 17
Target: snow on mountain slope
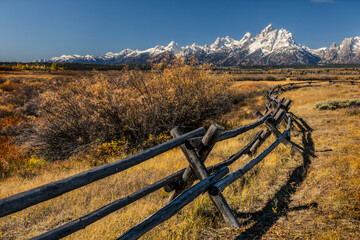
269, 47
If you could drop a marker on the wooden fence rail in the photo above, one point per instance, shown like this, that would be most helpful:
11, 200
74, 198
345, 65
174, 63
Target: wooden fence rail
218, 187
196, 146
37, 195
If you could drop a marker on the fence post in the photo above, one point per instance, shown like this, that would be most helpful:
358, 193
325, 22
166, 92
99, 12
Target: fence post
201, 172
261, 138
206, 144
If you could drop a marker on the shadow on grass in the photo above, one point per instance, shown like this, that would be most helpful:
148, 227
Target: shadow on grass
278, 206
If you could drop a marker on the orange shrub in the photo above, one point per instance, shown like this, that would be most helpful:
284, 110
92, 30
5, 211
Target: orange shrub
129, 104
11, 157
9, 86
4, 122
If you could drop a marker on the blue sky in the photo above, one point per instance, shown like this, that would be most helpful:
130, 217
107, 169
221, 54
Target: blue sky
43, 28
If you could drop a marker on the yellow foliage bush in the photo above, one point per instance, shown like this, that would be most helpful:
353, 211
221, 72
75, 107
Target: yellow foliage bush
130, 105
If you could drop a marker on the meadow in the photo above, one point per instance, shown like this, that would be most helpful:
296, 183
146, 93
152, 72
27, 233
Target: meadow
314, 194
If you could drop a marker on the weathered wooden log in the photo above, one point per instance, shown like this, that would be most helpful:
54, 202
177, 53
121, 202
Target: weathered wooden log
287, 103
273, 129
201, 172
195, 142
94, 216
218, 166
274, 120
284, 85
204, 149
283, 104
286, 141
289, 123
272, 99
234, 157
258, 114
286, 107
237, 131
279, 116
31, 197
218, 187
267, 109
262, 137
208, 141
274, 103
171, 209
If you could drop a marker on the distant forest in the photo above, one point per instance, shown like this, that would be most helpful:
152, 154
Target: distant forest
69, 66
9, 66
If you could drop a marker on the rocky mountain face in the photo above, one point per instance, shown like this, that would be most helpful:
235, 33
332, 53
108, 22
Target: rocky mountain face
269, 47
345, 53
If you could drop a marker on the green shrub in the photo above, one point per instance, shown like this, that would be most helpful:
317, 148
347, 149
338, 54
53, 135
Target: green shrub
335, 104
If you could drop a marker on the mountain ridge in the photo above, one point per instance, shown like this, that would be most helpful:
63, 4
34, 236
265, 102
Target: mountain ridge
269, 47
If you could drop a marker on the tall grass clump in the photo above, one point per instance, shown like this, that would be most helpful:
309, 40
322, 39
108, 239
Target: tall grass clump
130, 106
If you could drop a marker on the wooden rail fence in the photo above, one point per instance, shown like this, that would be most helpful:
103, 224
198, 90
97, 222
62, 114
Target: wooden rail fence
196, 146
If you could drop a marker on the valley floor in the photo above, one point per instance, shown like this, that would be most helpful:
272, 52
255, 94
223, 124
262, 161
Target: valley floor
310, 194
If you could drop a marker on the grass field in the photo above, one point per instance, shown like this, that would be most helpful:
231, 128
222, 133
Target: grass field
311, 194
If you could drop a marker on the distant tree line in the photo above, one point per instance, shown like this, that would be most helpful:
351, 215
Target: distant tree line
13, 66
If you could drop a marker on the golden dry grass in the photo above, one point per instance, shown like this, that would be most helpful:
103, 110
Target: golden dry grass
287, 196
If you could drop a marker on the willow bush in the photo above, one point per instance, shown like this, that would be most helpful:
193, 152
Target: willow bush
129, 104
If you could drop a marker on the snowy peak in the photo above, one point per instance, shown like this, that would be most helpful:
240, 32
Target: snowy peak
246, 37
267, 30
173, 47
284, 39
246, 40
270, 46
348, 52
271, 40
221, 43
351, 44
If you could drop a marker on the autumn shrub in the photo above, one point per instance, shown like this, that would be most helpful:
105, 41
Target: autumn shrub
5, 111
129, 104
9, 86
11, 156
19, 95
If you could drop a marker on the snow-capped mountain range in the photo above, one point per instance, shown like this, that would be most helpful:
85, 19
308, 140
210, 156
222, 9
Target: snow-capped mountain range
269, 47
